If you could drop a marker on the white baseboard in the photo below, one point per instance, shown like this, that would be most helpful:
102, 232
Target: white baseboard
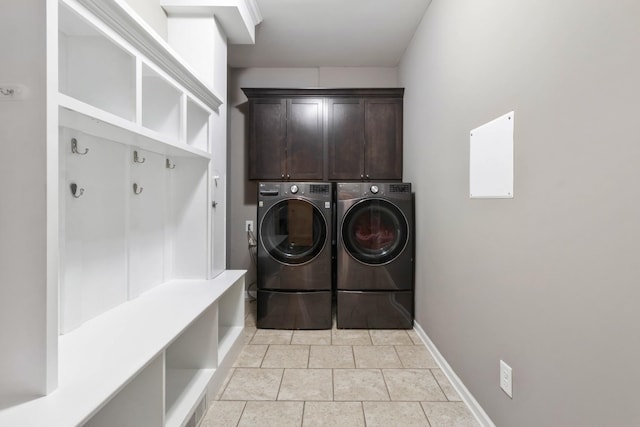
464, 393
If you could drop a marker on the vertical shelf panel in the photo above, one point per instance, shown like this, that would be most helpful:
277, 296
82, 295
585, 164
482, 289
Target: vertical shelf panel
190, 364
230, 318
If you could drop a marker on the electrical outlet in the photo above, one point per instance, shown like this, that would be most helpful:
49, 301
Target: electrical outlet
506, 378
248, 226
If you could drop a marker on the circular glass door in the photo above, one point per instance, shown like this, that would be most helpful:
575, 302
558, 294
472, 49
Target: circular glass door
293, 231
374, 231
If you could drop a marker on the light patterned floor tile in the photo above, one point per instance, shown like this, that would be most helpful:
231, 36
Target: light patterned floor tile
251, 356
449, 414
359, 385
272, 336
334, 356
224, 385
286, 356
408, 385
350, 337
320, 337
306, 384
333, 414
414, 356
446, 386
253, 384
390, 337
384, 414
272, 414
414, 337
379, 356
223, 414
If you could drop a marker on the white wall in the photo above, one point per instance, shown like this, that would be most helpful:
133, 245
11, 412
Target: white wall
152, 13
243, 193
547, 281
23, 216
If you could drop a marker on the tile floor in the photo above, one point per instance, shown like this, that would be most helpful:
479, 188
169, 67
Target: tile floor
336, 377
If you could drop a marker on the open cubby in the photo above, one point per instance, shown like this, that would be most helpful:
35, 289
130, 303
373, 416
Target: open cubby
161, 104
230, 320
191, 361
93, 69
197, 126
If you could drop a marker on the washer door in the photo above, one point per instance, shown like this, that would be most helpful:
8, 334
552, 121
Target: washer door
293, 231
374, 231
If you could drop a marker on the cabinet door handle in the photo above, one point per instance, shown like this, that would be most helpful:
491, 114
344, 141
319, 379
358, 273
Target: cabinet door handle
288, 176
361, 176
367, 176
282, 176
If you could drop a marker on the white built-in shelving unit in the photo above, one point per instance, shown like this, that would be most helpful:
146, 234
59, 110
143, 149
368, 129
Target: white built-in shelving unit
145, 332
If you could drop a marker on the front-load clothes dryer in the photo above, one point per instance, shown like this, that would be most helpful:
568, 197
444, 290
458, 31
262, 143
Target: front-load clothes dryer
374, 255
294, 255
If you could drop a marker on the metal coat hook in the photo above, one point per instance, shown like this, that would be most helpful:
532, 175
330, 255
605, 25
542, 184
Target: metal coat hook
169, 165
137, 189
74, 147
75, 191
136, 158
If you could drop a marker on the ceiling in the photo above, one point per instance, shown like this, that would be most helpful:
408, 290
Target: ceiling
330, 33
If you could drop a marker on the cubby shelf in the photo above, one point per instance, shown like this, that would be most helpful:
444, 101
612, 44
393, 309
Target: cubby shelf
98, 358
76, 114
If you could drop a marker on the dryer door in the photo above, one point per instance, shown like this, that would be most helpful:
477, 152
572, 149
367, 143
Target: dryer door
374, 231
293, 232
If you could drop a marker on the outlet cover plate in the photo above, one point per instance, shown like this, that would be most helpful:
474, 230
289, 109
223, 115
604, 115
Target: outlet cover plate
506, 379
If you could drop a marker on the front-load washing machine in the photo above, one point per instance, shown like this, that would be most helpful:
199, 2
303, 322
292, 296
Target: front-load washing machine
374, 255
294, 255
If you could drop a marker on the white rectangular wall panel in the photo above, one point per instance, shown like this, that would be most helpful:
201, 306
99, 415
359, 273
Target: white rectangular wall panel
491, 159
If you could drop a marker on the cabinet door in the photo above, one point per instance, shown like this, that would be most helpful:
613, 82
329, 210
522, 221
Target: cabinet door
345, 132
305, 149
383, 139
267, 132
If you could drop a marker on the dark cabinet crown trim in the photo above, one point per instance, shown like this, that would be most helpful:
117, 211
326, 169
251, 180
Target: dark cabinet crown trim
338, 92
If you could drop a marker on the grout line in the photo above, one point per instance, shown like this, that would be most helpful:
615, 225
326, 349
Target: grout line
241, 413
439, 386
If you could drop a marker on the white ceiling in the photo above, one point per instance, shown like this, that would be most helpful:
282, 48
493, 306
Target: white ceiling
330, 33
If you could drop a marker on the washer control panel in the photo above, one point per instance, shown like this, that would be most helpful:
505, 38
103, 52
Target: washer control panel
294, 189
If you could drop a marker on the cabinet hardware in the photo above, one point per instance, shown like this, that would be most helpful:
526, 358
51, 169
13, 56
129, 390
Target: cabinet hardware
136, 158
137, 189
214, 204
169, 165
74, 148
75, 191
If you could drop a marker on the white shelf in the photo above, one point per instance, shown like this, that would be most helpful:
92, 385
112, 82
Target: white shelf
98, 358
78, 115
183, 391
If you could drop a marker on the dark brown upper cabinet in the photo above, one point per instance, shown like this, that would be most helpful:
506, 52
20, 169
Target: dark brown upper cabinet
325, 134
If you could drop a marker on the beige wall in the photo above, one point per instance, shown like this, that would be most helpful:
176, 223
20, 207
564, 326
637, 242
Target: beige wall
549, 280
242, 193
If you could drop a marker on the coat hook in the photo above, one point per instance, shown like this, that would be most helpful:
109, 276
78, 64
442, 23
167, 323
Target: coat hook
75, 191
137, 189
169, 165
136, 159
74, 147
